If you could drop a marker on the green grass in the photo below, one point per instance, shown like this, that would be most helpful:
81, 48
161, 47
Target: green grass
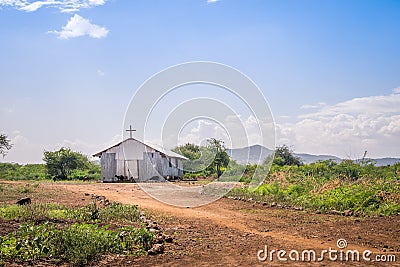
325, 186
356, 197
14, 171
11, 192
39, 172
77, 244
81, 235
39, 212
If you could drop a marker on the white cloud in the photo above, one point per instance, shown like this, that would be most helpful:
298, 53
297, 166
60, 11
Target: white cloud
13, 3
318, 105
396, 90
365, 105
27, 150
115, 140
62, 5
36, 5
212, 1
23, 150
100, 73
199, 131
78, 26
366, 123
235, 130
345, 129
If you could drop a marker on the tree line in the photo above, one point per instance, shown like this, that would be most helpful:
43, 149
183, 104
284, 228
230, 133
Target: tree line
213, 159
62, 164
209, 160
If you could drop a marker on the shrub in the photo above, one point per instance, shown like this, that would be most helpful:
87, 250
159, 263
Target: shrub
118, 212
14, 171
38, 211
77, 244
364, 188
33, 211
30, 242
81, 243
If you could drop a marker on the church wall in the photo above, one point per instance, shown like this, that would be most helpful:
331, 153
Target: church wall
133, 159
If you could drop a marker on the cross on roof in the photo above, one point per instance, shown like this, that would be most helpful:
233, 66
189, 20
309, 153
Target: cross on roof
130, 130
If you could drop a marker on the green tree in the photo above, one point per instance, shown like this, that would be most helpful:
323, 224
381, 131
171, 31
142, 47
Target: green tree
190, 151
284, 156
61, 163
5, 144
221, 158
204, 160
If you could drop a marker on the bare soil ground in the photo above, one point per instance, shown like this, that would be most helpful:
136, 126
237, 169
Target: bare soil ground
231, 232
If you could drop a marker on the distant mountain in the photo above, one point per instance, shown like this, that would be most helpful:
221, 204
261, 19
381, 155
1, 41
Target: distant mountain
386, 161
251, 155
308, 158
257, 153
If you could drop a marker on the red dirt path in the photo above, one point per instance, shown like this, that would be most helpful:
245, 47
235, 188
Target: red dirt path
230, 232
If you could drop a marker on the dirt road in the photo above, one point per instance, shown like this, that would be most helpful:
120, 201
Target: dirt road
231, 232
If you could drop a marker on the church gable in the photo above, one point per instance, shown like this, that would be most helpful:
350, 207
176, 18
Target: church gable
134, 161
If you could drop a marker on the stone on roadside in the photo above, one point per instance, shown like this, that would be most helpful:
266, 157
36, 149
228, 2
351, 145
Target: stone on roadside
156, 249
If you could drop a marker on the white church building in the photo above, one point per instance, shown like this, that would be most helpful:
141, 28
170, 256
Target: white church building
134, 161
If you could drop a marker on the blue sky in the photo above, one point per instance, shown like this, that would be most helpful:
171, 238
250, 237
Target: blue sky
330, 70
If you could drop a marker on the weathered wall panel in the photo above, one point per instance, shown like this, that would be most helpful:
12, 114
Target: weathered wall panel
134, 160
108, 167
132, 169
150, 167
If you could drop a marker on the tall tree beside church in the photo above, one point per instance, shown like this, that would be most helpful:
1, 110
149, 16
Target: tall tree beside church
208, 159
191, 151
61, 163
221, 158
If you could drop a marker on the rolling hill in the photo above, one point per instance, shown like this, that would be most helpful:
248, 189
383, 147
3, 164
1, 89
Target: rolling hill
256, 154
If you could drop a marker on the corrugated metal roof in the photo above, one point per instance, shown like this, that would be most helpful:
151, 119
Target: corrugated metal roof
167, 152
160, 149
